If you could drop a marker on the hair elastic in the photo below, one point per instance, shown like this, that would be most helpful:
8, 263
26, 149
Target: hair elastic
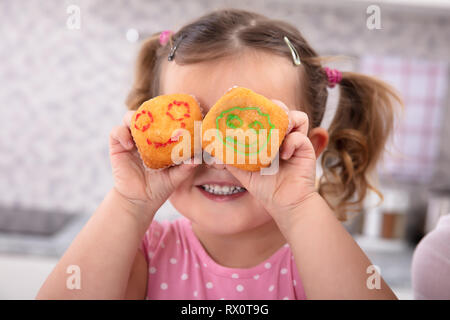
165, 37
294, 52
334, 76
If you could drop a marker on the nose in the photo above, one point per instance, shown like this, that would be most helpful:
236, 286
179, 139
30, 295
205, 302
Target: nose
216, 166
212, 162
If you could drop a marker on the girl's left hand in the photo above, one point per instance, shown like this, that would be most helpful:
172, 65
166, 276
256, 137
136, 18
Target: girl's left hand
283, 192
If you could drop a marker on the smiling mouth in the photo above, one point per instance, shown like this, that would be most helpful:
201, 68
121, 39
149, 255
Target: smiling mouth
216, 189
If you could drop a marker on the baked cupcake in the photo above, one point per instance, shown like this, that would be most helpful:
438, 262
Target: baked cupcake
159, 125
244, 129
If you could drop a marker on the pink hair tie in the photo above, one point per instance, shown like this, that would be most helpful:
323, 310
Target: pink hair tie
164, 37
334, 76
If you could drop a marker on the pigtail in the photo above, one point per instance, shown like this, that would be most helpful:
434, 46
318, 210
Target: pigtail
358, 133
144, 86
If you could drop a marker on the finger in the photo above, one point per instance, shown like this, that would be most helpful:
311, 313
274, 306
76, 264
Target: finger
285, 108
300, 121
281, 104
296, 144
127, 118
121, 135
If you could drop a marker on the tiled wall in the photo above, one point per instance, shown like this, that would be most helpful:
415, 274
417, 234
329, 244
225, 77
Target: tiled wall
63, 90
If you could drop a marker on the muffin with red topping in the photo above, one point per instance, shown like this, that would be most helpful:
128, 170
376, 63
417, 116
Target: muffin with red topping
156, 128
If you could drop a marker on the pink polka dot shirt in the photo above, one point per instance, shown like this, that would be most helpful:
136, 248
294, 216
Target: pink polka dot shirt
180, 268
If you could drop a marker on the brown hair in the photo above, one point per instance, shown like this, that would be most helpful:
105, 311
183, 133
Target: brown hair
363, 120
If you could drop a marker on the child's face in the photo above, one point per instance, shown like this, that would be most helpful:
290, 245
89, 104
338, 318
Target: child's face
272, 76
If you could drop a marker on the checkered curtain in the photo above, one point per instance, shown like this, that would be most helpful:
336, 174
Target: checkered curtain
415, 143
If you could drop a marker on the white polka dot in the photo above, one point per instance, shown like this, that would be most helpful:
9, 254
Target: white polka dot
151, 254
240, 287
256, 276
295, 282
205, 265
271, 288
235, 276
284, 271
268, 265
286, 245
163, 245
152, 269
164, 286
184, 276
209, 285
185, 250
285, 298
173, 260
195, 293
222, 299
178, 241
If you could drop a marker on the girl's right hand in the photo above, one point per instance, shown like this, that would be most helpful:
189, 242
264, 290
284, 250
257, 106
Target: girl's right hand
131, 179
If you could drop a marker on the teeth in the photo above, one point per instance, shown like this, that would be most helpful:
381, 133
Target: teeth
222, 190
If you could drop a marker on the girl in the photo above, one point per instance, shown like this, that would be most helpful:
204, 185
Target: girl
243, 235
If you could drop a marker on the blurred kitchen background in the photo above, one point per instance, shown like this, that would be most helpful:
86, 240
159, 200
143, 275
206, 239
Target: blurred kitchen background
63, 89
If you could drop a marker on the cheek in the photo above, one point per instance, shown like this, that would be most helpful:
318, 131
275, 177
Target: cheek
181, 199
257, 213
